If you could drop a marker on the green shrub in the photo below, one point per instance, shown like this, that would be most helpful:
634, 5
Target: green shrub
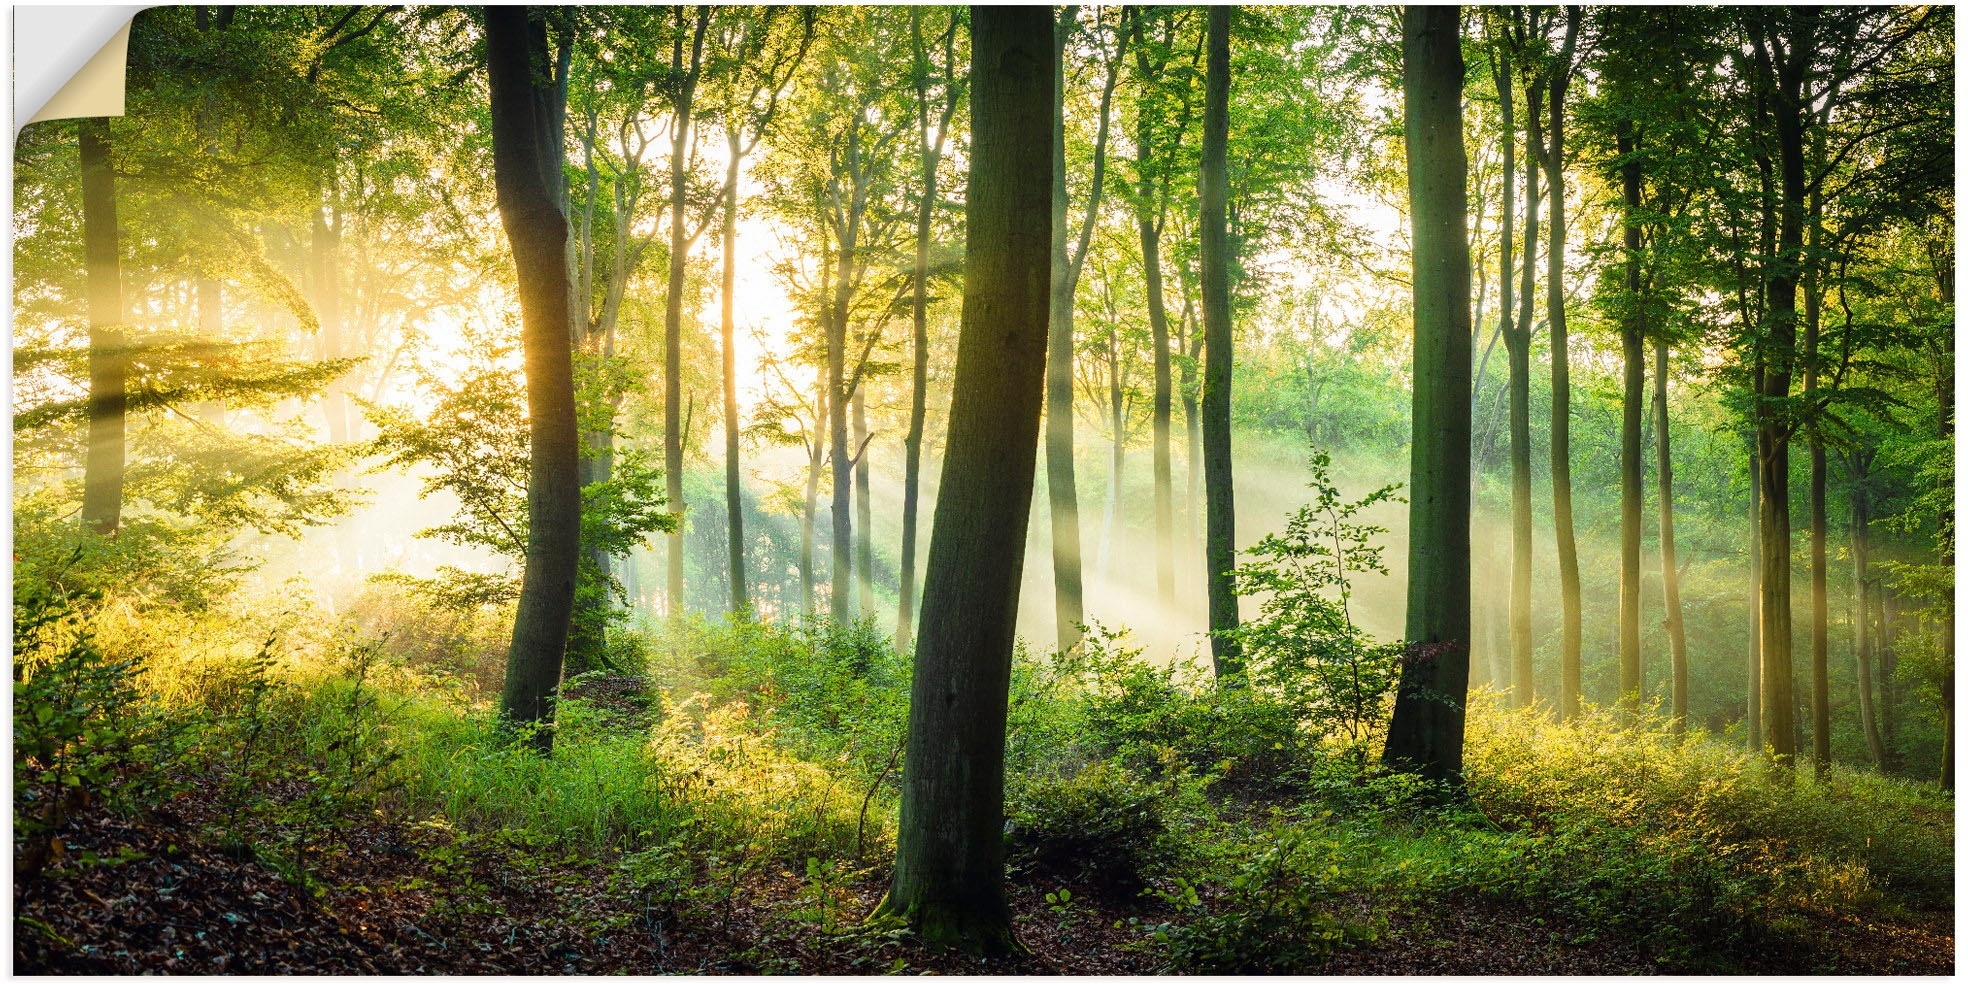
1276, 911
1102, 827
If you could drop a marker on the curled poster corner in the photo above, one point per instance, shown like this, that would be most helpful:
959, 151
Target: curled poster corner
69, 61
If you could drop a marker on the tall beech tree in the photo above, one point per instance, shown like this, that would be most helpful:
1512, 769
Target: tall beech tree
1425, 735
1633, 392
102, 463
949, 852
933, 122
1068, 259
1571, 601
529, 210
1212, 185
758, 54
681, 88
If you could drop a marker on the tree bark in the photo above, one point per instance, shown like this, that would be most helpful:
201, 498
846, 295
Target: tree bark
1569, 697
683, 102
1677, 636
1425, 733
537, 230
1634, 362
1212, 179
734, 500
1754, 720
1069, 609
949, 862
102, 462
1523, 684
864, 546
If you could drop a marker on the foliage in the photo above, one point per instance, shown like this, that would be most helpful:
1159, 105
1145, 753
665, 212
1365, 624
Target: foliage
1304, 643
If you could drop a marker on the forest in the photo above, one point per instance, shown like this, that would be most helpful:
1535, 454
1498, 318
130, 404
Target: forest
1090, 490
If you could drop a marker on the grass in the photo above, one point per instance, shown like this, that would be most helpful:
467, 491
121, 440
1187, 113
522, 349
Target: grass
1241, 836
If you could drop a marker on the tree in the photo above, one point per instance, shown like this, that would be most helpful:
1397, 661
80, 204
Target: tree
1517, 348
758, 66
1559, 79
1633, 362
1068, 259
1425, 735
1212, 182
681, 88
931, 139
102, 466
515, 44
949, 855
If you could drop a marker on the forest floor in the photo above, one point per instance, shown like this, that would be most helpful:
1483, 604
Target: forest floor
153, 894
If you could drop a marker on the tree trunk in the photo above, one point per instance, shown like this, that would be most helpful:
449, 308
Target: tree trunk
537, 231
1425, 733
1117, 454
1677, 636
1220, 520
1149, 210
1820, 595
816, 454
864, 547
949, 860
1523, 684
1569, 697
1634, 362
1067, 593
734, 503
102, 462
1862, 590
673, 422
1754, 720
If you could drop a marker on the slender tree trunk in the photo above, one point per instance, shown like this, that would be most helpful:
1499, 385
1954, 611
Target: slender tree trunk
1569, 697
1755, 717
1523, 684
1116, 458
673, 422
1820, 595
1634, 362
537, 231
1068, 602
1212, 191
1425, 734
328, 311
102, 462
1677, 636
1862, 590
1149, 210
864, 547
816, 454
949, 858
918, 403
734, 502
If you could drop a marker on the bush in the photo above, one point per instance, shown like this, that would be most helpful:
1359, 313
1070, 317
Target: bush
1277, 910
1103, 827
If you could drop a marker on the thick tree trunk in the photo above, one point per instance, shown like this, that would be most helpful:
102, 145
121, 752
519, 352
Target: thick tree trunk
102, 461
1677, 636
538, 232
734, 503
1220, 545
1569, 697
949, 859
1425, 734
1634, 362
